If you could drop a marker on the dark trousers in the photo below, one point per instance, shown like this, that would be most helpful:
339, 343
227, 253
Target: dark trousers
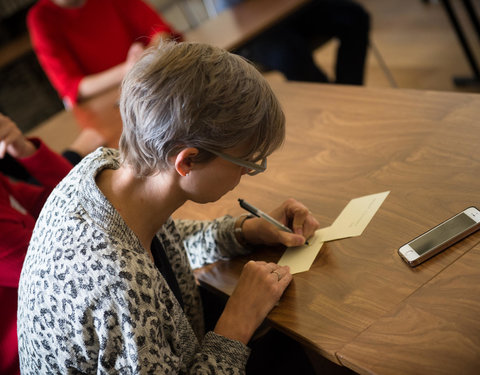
288, 47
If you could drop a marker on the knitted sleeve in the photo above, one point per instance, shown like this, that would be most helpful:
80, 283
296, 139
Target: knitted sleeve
209, 241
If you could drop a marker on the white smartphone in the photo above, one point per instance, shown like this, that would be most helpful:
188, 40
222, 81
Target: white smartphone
440, 237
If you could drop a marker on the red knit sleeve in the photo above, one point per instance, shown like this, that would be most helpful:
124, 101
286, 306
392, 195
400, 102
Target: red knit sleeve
15, 233
61, 68
48, 168
143, 20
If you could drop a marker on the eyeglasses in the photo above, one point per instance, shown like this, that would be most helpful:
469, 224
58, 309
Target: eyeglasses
253, 168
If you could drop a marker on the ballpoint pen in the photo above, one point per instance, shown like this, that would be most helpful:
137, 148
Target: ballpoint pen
258, 213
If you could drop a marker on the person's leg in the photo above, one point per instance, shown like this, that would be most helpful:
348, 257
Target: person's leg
345, 20
283, 49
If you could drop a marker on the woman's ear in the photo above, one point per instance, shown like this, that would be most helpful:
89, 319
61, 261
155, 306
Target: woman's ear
184, 160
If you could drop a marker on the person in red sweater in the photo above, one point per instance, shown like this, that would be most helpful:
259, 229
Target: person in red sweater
87, 46
20, 204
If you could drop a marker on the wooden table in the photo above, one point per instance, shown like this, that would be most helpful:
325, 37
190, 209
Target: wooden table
360, 305
435, 330
100, 112
345, 142
237, 25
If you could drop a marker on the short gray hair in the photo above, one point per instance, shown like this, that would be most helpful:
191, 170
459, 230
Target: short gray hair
195, 95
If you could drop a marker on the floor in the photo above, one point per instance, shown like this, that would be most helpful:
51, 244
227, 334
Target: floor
417, 44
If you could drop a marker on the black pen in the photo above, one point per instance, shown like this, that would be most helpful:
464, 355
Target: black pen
258, 213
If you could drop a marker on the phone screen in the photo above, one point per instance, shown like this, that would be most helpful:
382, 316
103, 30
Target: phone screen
442, 233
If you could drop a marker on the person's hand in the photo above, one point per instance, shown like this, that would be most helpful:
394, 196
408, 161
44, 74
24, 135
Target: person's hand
134, 53
258, 290
291, 213
13, 141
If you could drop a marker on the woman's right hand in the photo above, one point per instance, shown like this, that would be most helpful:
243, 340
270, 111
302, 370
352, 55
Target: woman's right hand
259, 288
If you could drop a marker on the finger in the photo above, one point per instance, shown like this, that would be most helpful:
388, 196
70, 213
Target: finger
12, 138
310, 226
276, 275
281, 271
3, 148
252, 263
5, 127
271, 267
285, 281
291, 239
300, 214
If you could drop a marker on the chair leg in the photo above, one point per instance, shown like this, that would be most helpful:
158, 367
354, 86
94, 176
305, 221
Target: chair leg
383, 65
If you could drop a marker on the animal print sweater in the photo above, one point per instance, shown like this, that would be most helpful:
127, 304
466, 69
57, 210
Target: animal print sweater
91, 301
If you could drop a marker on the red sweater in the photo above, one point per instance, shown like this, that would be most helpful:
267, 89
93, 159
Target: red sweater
72, 43
20, 204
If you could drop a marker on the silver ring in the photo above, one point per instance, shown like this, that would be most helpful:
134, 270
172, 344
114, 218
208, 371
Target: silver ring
278, 275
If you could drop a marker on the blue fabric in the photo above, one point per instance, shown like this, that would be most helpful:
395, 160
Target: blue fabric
225, 4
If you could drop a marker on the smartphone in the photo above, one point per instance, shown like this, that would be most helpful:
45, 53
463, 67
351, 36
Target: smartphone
440, 237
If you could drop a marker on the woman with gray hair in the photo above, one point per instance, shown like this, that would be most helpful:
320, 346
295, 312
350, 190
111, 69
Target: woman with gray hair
107, 285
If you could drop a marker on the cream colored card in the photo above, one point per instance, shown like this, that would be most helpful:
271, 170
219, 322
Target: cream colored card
300, 258
351, 222
354, 218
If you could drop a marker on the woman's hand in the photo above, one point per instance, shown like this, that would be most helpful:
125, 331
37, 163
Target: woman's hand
13, 141
292, 214
134, 54
258, 290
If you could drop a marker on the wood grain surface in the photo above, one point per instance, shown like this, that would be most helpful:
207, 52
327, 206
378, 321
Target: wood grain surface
101, 112
433, 331
345, 142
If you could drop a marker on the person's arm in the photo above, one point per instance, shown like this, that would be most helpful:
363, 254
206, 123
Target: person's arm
291, 213
260, 285
156, 333
93, 84
210, 240
53, 55
96, 83
46, 166
15, 233
147, 27
16, 223
258, 290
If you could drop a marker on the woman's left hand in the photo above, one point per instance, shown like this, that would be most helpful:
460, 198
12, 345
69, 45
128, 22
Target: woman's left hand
12, 140
292, 214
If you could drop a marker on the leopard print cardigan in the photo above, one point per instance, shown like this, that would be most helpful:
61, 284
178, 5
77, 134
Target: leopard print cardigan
91, 300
